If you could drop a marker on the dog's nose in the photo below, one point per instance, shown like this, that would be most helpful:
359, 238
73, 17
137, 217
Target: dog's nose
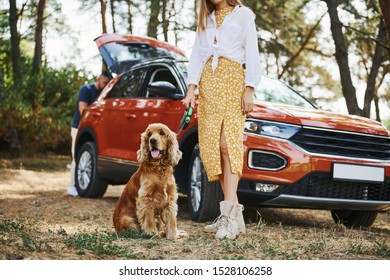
153, 141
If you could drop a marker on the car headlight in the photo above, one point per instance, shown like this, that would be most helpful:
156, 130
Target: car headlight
272, 129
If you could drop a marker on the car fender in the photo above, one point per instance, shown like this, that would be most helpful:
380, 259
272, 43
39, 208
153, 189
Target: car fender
85, 134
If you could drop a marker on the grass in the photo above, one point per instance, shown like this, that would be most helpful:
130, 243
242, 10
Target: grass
310, 243
99, 244
59, 227
103, 243
22, 235
33, 244
382, 249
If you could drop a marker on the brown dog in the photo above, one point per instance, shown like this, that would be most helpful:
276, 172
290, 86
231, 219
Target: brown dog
148, 201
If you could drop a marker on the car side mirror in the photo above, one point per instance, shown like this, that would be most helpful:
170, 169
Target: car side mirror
164, 89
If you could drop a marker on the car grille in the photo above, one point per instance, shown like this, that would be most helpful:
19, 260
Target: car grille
318, 184
330, 142
266, 160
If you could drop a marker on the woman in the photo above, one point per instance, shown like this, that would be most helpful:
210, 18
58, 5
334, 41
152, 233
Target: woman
226, 39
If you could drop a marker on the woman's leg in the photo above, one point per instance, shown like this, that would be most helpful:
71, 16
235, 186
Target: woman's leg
228, 180
229, 183
226, 225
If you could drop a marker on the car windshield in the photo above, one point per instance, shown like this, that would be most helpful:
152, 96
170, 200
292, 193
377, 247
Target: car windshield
274, 91
269, 90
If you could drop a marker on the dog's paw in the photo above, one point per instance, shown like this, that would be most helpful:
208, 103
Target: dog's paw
181, 234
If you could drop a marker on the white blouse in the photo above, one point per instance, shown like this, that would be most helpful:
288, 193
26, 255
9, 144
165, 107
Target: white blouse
236, 40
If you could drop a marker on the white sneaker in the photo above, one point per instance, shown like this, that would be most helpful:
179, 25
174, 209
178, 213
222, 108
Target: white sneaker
72, 191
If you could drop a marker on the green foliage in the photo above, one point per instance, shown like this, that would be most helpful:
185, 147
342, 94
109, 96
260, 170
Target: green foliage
104, 244
4, 25
39, 109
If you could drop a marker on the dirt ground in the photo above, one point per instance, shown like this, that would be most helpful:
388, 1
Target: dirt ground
38, 220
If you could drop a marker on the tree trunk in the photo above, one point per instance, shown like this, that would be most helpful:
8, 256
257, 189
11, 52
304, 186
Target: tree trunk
196, 14
377, 111
103, 14
165, 19
113, 15
341, 54
130, 16
153, 20
385, 9
172, 14
15, 146
38, 39
15, 40
376, 63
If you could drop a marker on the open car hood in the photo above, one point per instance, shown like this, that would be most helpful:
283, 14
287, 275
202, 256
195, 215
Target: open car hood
121, 52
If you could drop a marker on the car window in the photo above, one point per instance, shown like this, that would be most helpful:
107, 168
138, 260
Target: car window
128, 85
160, 75
274, 91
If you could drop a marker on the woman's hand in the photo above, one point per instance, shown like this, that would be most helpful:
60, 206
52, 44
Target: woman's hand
190, 97
247, 100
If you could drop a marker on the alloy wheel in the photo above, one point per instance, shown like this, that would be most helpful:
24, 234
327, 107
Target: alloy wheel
196, 184
84, 171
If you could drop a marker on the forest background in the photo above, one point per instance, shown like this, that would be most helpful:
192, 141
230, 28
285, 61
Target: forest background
335, 53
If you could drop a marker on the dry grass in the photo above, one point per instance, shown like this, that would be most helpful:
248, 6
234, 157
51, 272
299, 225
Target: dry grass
39, 221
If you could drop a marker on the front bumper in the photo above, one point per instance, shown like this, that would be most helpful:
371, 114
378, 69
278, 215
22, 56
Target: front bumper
306, 181
251, 197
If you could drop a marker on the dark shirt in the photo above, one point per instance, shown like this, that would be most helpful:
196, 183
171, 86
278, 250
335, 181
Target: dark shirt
87, 93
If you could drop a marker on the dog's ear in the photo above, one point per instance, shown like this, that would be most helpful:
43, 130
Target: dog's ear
174, 154
143, 152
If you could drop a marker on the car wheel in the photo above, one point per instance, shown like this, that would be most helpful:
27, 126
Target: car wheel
354, 218
88, 182
203, 196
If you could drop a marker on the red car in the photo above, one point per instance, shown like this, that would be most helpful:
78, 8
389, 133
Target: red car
296, 155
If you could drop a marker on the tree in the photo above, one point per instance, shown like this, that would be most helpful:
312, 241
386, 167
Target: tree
130, 16
15, 145
376, 63
385, 11
289, 44
165, 19
302, 48
341, 54
196, 13
38, 38
103, 7
90, 4
15, 40
153, 19
112, 8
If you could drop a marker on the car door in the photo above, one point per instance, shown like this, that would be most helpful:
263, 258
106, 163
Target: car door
122, 113
166, 110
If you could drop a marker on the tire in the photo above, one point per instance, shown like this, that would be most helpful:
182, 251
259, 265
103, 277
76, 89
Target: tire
354, 218
87, 178
203, 196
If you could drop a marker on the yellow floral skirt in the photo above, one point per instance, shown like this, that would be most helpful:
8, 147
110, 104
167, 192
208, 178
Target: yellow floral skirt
220, 95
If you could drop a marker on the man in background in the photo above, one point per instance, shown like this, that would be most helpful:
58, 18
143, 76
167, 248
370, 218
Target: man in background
86, 96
